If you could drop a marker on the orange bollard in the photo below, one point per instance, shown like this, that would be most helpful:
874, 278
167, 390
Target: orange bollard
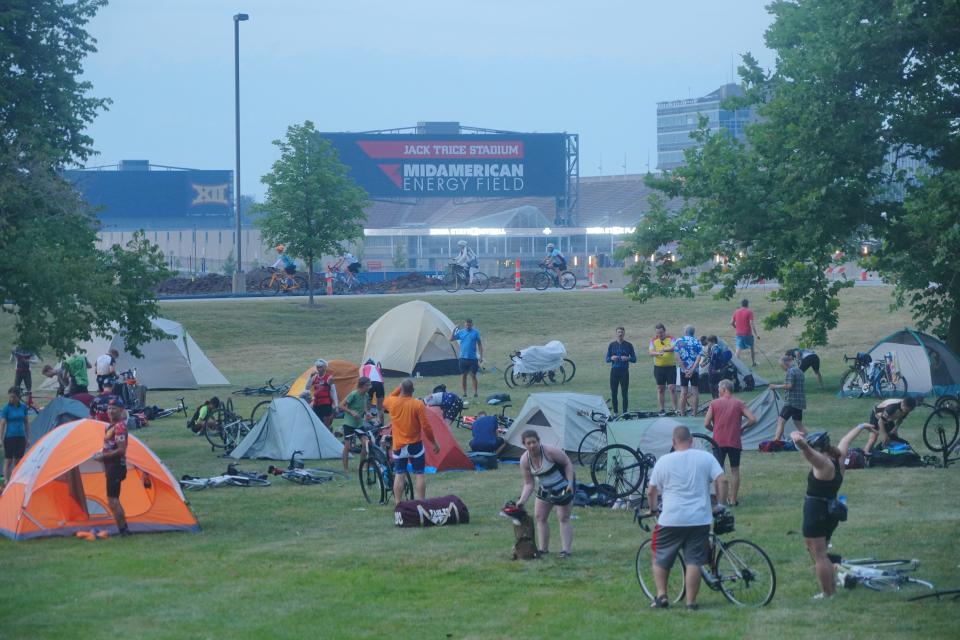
863, 275
590, 275
329, 282
516, 276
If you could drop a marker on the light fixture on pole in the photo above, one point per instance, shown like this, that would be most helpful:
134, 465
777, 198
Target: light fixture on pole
239, 280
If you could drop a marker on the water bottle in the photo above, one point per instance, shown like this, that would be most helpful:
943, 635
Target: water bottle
843, 500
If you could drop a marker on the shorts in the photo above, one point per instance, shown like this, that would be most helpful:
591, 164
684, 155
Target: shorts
412, 453
14, 447
692, 381
290, 270
665, 375
323, 410
354, 268
733, 452
76, 388
469, 365
557, 494
376, 389
817, 522
744, 342
810, 362
349, 432
115, 476
791, 412
669, 541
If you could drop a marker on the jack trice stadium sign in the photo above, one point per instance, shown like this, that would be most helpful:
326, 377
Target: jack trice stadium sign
454, 166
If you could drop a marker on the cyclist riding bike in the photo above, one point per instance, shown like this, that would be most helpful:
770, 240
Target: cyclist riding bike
353, 265
555, 260
467, 260
286, 263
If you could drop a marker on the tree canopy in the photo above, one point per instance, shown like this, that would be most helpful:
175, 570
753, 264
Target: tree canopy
311, 205
60, 287
859, 85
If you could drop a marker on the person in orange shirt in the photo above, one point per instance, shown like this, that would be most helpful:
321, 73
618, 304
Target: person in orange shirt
408, 416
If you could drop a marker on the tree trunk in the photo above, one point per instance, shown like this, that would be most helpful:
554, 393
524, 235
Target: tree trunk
310, 278
953, 332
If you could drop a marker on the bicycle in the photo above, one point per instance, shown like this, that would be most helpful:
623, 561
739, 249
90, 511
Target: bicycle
504, 421
594, 440
232, 478
266, 389
297, 473
164, 413
867, 377
29, 399
229, 431
940, 431
548, 377
547, 276
739, 569
346, 285
854, 381
277, 282
879, 575
376, 466
457, 277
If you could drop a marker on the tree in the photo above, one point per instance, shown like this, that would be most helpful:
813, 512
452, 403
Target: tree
229, 264
856, 81
311, 205
60, 287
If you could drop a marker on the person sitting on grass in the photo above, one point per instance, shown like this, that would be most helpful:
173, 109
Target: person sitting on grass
354, 408
885, 421
485, 438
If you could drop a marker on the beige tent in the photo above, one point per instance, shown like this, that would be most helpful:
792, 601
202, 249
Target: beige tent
412, 338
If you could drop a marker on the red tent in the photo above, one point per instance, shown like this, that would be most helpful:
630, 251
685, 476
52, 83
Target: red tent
451, 456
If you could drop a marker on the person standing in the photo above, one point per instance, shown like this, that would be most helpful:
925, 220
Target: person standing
471, 353
823, 484
61, 374
409, 425
354, 411
100, 407
683, 478
22, 359
323, 393
807, 359
720, 358
689, 352
14, 430
77, 366
552, 470
372, 370
795, 398
114, 459
664, 366
746, 330
725, 419
620, 354
106, 367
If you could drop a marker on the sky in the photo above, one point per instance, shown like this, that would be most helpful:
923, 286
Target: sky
593, 68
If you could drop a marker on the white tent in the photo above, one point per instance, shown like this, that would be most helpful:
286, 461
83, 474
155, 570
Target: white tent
288, 425
561, 420
412, 338
168, 363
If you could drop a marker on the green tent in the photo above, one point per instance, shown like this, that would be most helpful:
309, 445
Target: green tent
651, 435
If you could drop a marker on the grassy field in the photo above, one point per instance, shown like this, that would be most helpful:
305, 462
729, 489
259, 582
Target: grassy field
291, 561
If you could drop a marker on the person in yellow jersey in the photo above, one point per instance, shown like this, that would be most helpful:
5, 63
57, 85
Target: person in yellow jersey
661, 348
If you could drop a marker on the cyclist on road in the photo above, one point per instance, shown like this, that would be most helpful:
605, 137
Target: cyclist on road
555, 259
352, 265
286, 263
467, 260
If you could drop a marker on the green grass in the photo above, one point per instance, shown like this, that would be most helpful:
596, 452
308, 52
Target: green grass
291, 561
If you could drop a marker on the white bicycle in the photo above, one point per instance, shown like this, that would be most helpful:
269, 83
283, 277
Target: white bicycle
880, 575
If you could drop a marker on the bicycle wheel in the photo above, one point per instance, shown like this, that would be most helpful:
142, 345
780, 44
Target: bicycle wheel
941, 429
852, 383
299, 285
258, 410
451, 282
372, 481
407, 486
620, 467
591, 443
567, 280
541, 281
675, 585
569, 369
270, 286
193, 484
214, 436
480, 282
894, 583
948, 402
706, 443
238, 481
887, 388
746, 574
323, 475
554, 376
508, 376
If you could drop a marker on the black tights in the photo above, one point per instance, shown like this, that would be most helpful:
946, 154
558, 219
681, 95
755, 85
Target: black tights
619, 377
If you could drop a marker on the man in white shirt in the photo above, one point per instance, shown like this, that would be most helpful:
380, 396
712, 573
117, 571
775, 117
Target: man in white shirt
467, 260
106, 367
684, 478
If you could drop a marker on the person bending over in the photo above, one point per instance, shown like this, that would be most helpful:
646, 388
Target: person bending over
552, 471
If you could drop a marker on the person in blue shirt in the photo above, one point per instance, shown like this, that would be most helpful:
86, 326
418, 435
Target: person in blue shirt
285, 262
555, 259
471, 353
14, 430
620, 354
485, 438
689, 352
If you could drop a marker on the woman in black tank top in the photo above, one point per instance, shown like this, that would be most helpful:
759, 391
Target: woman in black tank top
823, 483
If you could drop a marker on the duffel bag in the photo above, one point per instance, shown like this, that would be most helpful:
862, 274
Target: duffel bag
433, 512
770, 446
908, 458
855, 459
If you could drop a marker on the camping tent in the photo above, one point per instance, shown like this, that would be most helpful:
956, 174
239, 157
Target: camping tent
168, 363
344, 374
742, 369
561, 420
59, 411
288, 425
412, 338
766, 409
58, 489
927, 363
451, 456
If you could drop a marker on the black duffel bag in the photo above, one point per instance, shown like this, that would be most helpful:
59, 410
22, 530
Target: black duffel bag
433, 512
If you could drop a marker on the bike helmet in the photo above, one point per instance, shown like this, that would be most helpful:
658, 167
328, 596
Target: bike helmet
549, 245
320, 363
864, 359
281, 248
818, 441
440, 388
462, 243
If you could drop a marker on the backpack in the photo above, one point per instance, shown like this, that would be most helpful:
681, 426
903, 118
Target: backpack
748, 382
434, 512
771, 446
855, 459
192, 422
906, 458
594, 495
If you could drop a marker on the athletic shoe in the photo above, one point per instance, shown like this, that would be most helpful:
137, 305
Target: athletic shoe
564, 554
663, 413
822, 596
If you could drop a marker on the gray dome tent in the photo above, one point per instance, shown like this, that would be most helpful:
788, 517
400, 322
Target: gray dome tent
927, 363
60, 411
288, 425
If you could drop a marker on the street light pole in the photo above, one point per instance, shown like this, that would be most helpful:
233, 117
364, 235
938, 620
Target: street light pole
239, 279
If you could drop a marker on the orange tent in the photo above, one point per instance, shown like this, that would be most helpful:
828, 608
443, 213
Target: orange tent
451, 456
58, 489
344, 374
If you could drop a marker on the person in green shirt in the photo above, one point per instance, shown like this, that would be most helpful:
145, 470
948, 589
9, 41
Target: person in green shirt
77, 366
354, 408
